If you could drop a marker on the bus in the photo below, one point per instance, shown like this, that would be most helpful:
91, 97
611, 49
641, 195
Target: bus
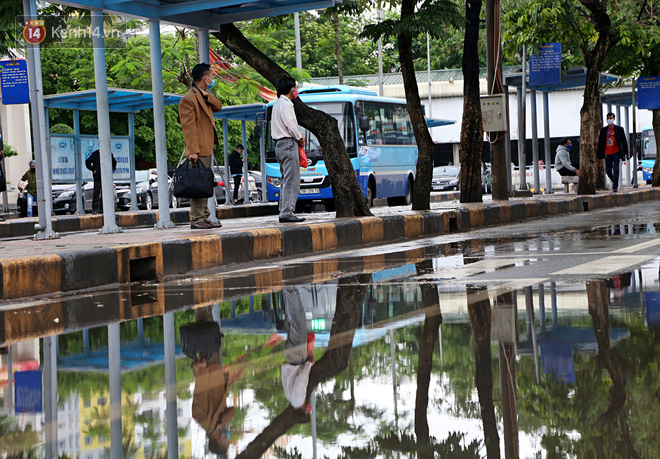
648, 153
378, 137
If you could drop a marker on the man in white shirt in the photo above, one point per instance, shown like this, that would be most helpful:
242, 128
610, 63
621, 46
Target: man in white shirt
285, 132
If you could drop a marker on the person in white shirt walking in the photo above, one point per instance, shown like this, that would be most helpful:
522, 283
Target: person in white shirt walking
285, 132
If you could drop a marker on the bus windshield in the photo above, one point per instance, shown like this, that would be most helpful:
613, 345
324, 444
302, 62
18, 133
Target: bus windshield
342, 112
649, 146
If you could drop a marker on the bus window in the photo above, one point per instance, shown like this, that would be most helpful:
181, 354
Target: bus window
649, 146
389, 124
342, 112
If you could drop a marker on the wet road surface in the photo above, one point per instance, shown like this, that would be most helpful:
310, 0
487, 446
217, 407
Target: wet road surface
532, 340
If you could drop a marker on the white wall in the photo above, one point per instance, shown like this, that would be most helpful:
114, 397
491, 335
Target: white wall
16, 132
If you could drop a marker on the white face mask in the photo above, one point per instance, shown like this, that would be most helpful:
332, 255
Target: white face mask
610, 122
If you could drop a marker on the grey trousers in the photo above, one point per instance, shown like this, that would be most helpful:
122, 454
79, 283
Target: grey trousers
295, 347
199, 208
286, 152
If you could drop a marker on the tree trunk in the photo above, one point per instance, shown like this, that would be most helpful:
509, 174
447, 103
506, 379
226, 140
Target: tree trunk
472, 133
656, 131
340, 67
424, 172
500, 187
348, 197
480, 321
590, 113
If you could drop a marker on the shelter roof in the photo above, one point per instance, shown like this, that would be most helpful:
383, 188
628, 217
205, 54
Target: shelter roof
121, 100
622, 98
248, 112
573, 78
204, 14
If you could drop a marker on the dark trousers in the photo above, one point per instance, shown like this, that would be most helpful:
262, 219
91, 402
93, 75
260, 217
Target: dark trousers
612, 169
237, 183
565, 172
97, 205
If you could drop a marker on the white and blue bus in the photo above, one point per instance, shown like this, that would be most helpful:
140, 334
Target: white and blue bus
648, 153
378, 137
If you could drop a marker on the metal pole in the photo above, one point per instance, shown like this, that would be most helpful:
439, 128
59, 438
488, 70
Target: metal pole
77, 148
529, 307
86, 340
618, 118
535, 143
314, 436
233, 309
634, 127
159, 126
131, 160
553, 304
542, 307
103, 116
114, 364
379, 17
10, 380
262, 163
227, 174
546, 143
428, 71
629, 169
392, 358
45, 226
170, 385
507, 142
140, 329
50, 396
522, 135
246, 175
296, 23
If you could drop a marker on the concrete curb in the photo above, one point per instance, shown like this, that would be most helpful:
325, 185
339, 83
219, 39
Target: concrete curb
70, 271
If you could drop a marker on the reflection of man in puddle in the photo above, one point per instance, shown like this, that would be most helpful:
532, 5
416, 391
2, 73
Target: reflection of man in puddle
298, 351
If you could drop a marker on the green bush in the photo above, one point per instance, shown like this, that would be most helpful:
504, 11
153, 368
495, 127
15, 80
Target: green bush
10, 151
61, 128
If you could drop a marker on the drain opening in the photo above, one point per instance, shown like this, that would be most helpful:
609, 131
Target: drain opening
585, 206
453, 224
143, 269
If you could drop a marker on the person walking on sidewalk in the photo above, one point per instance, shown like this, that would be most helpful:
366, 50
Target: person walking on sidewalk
93, 163
613, 146
196, 114
236, 169
285, 132
30, 177
563, 159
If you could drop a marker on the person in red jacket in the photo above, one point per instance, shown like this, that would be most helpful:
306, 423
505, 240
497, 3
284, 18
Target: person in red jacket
613, 147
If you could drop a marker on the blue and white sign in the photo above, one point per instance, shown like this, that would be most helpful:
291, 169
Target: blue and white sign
545, 67
120, 150
557, 358
63, 158
652, 308
14, 82
648, 93
28, 393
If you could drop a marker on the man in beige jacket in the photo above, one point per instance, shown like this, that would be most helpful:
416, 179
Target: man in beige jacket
196, 114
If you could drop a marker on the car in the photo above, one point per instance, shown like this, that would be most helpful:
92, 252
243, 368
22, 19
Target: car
256, 197
446, 178
63, 199
146, 187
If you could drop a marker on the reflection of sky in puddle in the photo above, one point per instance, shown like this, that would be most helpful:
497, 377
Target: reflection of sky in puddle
393, 306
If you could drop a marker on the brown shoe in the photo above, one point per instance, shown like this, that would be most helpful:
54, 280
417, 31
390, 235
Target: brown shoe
201, 225
214, 224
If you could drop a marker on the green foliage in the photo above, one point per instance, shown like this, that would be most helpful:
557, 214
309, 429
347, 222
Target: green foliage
61, 128
9, 151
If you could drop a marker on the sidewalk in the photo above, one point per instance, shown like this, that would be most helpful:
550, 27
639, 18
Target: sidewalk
88, 259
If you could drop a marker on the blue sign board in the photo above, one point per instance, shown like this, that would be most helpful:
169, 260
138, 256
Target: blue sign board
545, 67
557, 358
28, 394
653, 308
648, 89
14, 82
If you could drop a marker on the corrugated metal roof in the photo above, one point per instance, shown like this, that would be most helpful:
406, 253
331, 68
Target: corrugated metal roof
397, 78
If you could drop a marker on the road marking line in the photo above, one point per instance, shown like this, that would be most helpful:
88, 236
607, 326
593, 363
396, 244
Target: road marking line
638, 247
607, 265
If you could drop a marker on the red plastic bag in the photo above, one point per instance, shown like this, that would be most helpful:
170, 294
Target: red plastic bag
303, 157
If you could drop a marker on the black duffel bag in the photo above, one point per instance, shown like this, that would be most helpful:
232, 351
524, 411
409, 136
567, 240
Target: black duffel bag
193, 182
200, 339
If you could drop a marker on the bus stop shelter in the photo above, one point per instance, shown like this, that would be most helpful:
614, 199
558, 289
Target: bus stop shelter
573, 78
127, 101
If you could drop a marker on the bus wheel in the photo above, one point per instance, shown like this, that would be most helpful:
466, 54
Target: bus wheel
371, 192
329, 205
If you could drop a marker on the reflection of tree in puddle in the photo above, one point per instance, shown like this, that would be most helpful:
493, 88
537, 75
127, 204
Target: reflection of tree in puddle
16, 443
612, 425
